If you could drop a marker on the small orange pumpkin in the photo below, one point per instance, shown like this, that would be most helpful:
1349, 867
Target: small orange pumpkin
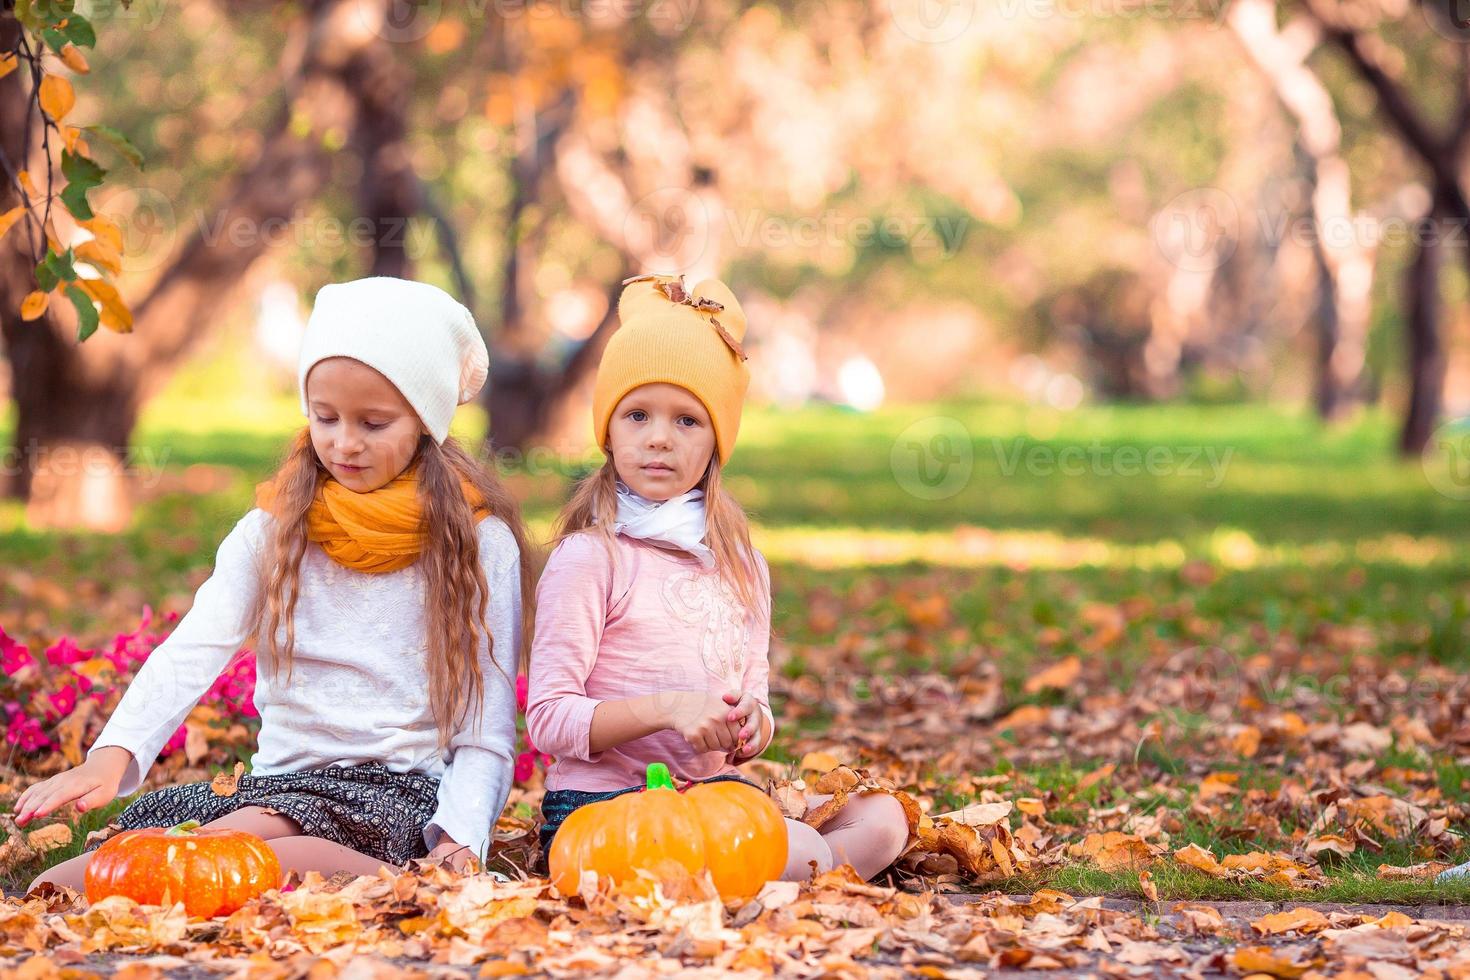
212, 871
732, 829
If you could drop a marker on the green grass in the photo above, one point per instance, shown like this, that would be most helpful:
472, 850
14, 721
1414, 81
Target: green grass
21, 875
1184, 884
1299, 525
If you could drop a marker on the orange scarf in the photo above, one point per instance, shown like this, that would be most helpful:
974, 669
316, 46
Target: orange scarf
379, 531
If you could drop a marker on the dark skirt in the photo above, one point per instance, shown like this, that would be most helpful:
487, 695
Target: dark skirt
367, 807
558, 804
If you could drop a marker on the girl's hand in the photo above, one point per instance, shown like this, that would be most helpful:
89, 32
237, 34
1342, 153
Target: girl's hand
92, 784
453, 855
743, 706
700, 718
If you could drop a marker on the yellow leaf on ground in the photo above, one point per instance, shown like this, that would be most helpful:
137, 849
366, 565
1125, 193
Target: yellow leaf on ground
1391, 920
49, 838
1247, 742
1200, 859
1263, 959
1026, 716
1301, 920
819, 762
57, 97
1031, 806
1096, 776
1147, 886
1115, 851
1059, 675
1413, 872
1219, 784
978, 814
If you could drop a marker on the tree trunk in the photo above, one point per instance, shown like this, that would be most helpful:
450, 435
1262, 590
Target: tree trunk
1426, 352
389, 194
1444, 157
1345, 266
522, 393
86, 397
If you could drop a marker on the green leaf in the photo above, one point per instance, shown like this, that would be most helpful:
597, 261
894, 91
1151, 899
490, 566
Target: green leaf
86, 313
79, 31
74, 196
46, 277
77, 168
82, 174
59, 266
119, 142
55, 40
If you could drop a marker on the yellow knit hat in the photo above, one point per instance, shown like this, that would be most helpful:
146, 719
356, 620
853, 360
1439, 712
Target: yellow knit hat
689, 338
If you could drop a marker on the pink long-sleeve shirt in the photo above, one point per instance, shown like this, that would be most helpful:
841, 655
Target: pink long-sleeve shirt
638, 621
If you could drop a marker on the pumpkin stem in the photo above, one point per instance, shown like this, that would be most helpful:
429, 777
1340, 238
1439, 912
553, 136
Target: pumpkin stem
184, 829
658, 776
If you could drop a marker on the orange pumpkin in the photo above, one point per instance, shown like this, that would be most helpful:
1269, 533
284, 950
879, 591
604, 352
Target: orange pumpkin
732, 829
212, 871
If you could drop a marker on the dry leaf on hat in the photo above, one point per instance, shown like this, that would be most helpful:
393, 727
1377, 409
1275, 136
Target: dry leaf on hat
730, 341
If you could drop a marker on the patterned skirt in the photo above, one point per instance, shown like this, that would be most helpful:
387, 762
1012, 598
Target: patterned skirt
367, 807
558, 804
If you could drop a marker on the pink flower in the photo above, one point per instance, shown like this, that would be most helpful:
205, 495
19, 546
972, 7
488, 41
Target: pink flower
13, 656
522, 685
65, 651
25, 733
525, 766
63, 702
175, 742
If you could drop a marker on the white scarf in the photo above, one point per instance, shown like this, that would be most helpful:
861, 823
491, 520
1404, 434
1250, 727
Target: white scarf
676, 523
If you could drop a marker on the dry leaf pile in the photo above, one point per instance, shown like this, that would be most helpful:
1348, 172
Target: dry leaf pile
428, 922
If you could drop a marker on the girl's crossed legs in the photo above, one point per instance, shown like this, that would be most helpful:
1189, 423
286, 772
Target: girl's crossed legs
868, 833
295, 850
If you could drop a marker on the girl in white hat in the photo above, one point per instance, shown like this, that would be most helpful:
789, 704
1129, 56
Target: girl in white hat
380, 575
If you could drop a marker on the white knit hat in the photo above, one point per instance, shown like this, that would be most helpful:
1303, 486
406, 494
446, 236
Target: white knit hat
414, 334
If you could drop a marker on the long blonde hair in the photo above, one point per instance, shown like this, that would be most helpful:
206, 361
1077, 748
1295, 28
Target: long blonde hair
455, 590
594, 506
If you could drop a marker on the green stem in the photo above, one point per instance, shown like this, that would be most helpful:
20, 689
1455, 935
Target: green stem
658, 776
185, 829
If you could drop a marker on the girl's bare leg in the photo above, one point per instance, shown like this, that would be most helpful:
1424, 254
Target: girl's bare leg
868, 833
805, 847
293, 849
305, 854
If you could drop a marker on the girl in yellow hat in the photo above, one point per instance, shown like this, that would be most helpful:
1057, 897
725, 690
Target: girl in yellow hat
654, 611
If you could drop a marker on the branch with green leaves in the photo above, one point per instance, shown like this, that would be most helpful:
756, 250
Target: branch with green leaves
52, 35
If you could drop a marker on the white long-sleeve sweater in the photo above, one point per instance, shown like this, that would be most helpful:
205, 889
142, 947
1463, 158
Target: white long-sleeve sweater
358, 690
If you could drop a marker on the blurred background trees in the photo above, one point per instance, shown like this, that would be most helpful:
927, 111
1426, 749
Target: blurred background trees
1054, 201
